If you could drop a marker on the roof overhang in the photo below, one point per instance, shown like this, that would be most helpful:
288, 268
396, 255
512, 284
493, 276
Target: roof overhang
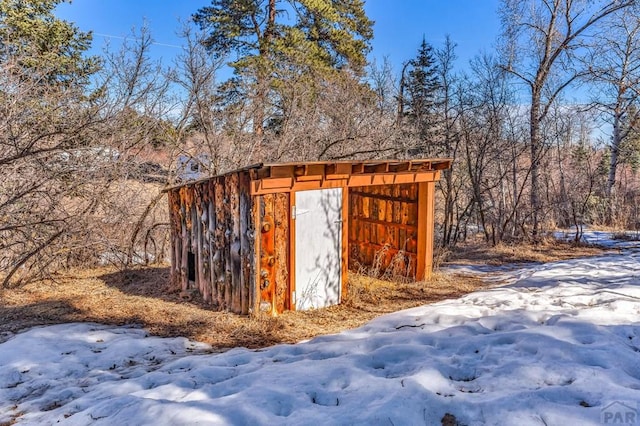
289, 177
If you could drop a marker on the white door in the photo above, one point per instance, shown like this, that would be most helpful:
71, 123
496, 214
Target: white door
318, 228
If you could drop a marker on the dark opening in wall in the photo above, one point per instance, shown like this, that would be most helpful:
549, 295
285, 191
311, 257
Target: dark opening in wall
191, 266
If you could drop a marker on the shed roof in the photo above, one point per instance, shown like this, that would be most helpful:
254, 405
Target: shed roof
272, 177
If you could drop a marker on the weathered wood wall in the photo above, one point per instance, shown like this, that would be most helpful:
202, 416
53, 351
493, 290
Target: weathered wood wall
214, 221
383, 228
274, 240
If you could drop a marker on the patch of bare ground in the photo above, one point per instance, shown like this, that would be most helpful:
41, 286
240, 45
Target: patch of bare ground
142, 296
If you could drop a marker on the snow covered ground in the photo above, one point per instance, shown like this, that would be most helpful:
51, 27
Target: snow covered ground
603, 238
558, 345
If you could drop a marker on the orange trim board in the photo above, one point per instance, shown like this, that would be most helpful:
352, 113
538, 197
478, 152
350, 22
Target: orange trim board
292, 254
345, 244
271, 185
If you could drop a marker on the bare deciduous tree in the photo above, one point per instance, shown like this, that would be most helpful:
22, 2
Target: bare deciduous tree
541, 40
614, 72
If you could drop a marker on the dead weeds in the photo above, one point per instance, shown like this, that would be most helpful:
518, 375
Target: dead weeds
142, 297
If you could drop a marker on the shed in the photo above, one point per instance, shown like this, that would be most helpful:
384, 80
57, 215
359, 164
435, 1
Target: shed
276, 237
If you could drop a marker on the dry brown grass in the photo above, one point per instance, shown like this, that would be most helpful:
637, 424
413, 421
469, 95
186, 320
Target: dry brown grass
141, 296
545, 251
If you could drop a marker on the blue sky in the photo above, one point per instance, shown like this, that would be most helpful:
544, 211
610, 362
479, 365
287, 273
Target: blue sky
399, 24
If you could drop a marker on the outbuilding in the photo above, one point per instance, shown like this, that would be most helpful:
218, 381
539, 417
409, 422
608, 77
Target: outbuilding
276, 237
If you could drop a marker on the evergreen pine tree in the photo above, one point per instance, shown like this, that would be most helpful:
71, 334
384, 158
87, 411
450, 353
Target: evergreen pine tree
270, 41
37, 45
422, 86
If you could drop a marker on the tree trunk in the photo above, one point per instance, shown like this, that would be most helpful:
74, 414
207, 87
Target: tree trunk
403, 83
615, 148
263, 75
536, 151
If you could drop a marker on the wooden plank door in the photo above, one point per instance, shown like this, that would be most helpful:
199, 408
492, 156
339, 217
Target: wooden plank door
318, 248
